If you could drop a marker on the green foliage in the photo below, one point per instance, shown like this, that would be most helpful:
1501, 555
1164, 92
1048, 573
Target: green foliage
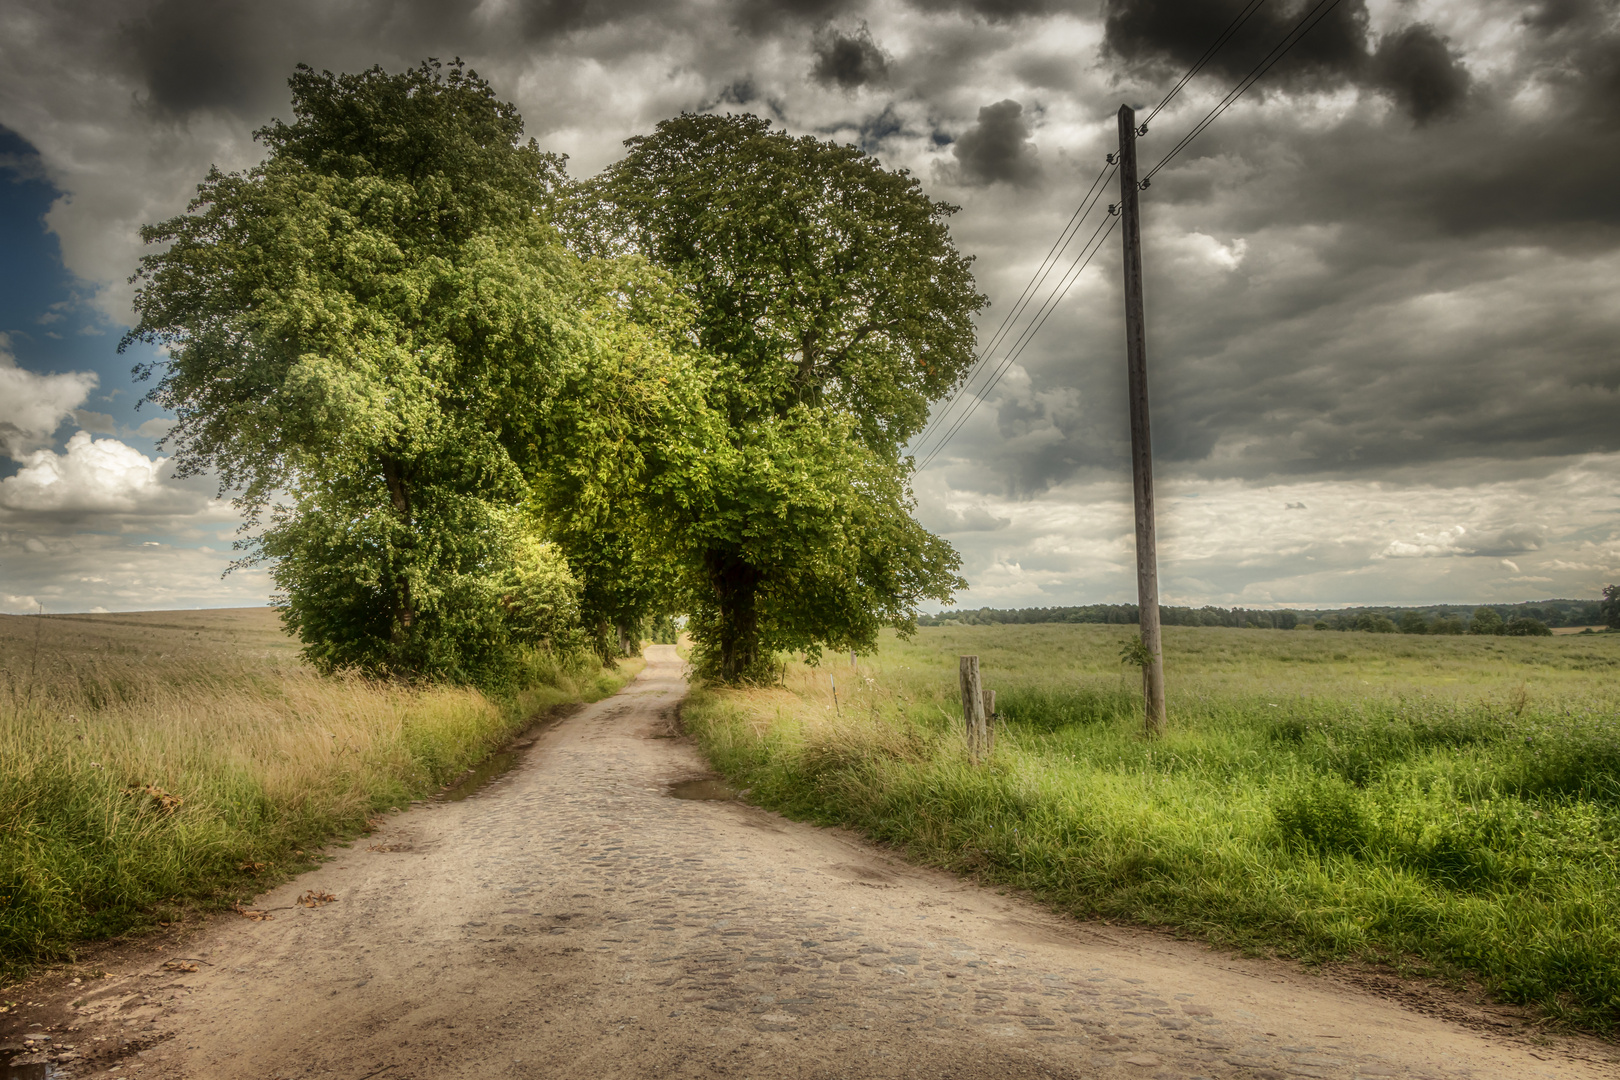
1485, 621
1135, 652
621, 433
1452, 802
1524, 626
377, 340
1413, 622
1323, 816
540, 596
1610, 608
1448, 624
1376, 624
804, 539
835, 308
662, 630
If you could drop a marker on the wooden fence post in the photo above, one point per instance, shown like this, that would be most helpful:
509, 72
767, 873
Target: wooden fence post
972, 703
989, 720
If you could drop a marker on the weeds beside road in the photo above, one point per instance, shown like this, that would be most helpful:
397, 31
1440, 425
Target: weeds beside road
1454, 802
150, 762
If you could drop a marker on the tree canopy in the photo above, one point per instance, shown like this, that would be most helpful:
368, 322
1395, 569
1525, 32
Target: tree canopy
366, 336
466, 403
832, 307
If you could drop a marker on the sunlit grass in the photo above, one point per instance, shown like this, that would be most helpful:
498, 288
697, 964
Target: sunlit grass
99, 716
1450, 802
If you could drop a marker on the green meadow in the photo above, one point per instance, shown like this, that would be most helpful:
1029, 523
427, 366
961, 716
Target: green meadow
1450, 805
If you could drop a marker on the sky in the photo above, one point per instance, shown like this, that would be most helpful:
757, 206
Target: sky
1383, 333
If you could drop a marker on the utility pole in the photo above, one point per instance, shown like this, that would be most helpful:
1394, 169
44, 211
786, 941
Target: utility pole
1147, 559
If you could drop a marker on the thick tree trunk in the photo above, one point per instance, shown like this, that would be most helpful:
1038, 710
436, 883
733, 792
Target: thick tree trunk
735, 585
627, 643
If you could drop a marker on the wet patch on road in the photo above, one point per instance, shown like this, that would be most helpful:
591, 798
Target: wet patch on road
703, 791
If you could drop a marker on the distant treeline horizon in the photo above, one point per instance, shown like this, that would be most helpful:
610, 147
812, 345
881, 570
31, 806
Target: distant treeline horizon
1551, 613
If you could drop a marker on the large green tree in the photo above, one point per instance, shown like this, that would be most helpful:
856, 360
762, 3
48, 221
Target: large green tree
835, 308
632, 423
366, 335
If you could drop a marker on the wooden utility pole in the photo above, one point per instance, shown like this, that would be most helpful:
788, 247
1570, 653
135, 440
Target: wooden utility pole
1147, 560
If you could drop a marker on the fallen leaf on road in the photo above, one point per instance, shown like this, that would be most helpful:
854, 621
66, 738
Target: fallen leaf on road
179, 965
315, 899
250, 913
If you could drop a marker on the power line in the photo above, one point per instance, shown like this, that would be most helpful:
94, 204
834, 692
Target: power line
1036, 280
1094, 244
967, 392
1226, 35
1278, 51
1306, 24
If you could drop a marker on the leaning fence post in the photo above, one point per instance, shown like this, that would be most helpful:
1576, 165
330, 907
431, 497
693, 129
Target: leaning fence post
972, 702
989, 721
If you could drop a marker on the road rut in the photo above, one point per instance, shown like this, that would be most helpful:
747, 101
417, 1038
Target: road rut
574, 920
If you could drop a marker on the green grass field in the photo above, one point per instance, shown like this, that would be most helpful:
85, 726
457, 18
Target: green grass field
105, 720
1450, 805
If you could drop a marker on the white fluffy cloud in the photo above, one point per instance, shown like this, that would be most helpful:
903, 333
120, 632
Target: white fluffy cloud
86, 571
33, 406
97, 478
100, 524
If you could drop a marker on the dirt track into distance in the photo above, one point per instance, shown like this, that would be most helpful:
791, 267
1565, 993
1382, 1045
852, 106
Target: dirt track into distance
574, 920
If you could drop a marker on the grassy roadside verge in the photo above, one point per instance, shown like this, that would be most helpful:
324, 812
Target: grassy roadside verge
1449, 805
105, 722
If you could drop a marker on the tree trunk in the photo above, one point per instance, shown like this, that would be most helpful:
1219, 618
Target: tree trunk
735, 585
627, 642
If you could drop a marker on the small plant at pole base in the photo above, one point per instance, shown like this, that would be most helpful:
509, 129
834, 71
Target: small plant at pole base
1136, 653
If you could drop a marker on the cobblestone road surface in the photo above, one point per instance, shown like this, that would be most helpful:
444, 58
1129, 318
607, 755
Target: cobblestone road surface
574, 920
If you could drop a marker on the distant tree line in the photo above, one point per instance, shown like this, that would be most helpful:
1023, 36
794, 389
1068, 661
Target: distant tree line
1528, 619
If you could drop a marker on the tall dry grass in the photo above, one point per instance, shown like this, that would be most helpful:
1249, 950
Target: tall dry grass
158, 761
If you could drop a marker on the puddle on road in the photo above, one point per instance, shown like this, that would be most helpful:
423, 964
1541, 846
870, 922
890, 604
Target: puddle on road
23, 1071
490, 769
705, 790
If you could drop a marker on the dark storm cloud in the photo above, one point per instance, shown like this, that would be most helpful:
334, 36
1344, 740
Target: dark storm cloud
763, 17
1173, 34
848, 59
1414, 64
999, 11
200, 55
1418, 68
997, 148
194, 54
549, 18
1280, 364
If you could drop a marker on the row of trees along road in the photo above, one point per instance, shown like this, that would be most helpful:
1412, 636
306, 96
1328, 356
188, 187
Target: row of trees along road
467, 403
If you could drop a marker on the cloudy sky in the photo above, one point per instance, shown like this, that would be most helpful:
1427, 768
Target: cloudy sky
1383, 324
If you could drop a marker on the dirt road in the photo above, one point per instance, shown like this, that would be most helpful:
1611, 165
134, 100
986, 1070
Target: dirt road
575, 920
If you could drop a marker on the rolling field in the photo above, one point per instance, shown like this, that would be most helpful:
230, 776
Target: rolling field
1446, 804
157, 761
